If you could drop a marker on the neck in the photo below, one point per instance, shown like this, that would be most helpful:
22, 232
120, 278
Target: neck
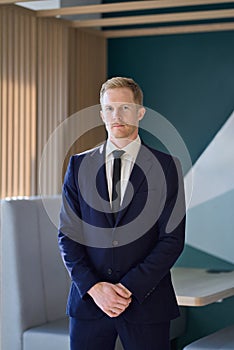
122, 142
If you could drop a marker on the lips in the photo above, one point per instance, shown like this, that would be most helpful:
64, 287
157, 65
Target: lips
117, 125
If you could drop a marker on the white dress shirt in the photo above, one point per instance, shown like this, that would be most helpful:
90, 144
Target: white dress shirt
127, 161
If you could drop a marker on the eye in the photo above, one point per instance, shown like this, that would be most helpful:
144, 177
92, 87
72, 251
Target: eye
126, 108
108, 108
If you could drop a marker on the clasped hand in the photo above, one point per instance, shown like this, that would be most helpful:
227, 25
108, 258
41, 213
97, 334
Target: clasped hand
112, 299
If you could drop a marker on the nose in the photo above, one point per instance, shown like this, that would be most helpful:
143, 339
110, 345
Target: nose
116, 113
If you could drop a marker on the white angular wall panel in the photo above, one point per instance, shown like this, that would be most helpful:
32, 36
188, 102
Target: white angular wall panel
213, 173
210, 219
210, 227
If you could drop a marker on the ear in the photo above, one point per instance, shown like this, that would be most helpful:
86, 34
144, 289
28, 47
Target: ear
141, 113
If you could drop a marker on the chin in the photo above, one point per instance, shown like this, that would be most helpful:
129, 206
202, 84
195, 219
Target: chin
119, 136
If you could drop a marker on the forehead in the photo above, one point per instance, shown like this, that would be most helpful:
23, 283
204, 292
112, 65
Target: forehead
119, 95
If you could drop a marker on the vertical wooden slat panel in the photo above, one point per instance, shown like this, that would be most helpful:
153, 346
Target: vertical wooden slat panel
18, 95
49, 116
16, 106
9, 73
32, 85
21, 83
87, 69
91, 60
41, 93
87, 53
27, 109
1, 123
41, 85
33, 106
53, 37
4, 103
41, 110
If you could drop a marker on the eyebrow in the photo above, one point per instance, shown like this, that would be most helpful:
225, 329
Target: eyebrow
119, 103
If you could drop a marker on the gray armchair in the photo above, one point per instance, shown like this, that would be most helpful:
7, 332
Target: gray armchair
34, 281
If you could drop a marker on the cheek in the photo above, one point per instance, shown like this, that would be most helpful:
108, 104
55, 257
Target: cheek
105, 120
133, 120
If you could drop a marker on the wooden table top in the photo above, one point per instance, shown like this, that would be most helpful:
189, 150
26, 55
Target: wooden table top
199, 287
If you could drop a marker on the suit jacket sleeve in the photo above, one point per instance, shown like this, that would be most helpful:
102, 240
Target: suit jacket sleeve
74, 255
146, 276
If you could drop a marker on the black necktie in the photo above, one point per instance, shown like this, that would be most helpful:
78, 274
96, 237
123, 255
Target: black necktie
116, 196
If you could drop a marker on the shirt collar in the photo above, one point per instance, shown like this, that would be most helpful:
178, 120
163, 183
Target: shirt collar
131, 149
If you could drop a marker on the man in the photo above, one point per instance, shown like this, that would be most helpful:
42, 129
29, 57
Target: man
119, 238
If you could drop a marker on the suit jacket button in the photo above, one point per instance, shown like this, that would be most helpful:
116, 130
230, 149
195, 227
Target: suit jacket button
115, 243
109, 271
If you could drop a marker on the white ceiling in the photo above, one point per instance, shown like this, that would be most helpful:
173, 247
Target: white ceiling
53, 4
40, 5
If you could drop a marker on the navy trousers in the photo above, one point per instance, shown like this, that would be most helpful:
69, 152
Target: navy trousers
101, 334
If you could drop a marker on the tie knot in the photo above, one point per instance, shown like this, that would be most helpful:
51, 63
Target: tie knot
117, 154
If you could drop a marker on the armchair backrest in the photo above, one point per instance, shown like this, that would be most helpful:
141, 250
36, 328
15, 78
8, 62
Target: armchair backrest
34, 282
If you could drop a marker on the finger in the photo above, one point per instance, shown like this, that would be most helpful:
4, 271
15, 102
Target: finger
125, 289
111, 313
118, 307
114, 313
122, 291
121, 302
115, 298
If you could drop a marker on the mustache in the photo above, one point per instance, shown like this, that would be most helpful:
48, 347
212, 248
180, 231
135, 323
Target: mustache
117, 124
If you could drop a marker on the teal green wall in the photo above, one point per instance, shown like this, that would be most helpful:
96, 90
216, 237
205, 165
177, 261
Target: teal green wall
189, 80
186, 78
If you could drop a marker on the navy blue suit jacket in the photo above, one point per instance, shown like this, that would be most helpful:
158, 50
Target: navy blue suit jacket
138, 249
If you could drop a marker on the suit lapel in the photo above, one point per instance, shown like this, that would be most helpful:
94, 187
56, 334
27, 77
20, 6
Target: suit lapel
101, 182
138, 175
